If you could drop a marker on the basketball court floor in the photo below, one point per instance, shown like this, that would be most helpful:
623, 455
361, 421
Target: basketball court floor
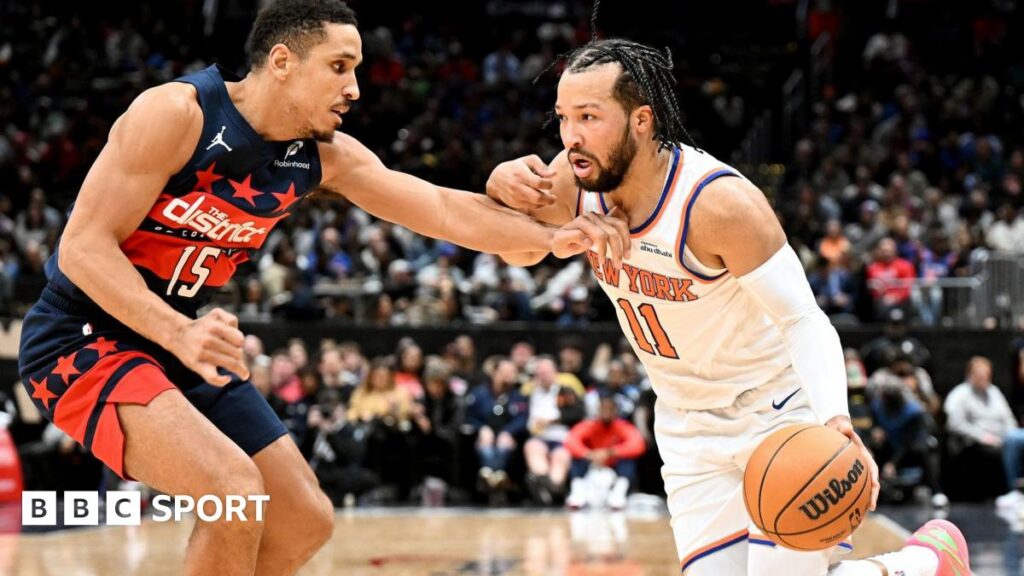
442, 542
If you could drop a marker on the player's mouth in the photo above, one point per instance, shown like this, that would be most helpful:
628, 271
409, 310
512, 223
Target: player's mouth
582, 167
339, 112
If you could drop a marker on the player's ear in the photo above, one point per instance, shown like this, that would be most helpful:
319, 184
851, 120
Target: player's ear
277, 60
643, 119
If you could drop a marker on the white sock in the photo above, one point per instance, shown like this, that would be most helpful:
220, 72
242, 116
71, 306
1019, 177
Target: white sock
910, 561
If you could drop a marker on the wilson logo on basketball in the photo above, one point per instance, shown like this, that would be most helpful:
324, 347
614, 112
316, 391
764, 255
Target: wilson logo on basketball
820, 503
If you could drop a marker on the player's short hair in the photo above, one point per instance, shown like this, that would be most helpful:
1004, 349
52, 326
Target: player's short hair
646, 79
298, 24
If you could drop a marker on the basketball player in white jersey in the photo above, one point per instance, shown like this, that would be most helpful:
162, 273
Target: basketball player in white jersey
714, 302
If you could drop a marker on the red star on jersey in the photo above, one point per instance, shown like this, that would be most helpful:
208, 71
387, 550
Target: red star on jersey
66, 367
206, 178
103, 346
286, 199
244, 190
42, 393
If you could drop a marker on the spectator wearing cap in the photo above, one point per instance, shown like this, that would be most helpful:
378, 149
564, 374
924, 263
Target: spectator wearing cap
877, 352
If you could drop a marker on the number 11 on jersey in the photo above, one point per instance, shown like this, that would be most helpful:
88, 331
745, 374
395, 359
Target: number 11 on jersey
650, 316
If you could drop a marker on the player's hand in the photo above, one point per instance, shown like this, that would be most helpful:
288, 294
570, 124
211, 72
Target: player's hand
523, 184
844, 426
211, 342
607, 234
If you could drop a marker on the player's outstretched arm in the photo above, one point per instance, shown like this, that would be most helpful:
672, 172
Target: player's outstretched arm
549, 194
150, 142
734, 223
471, 220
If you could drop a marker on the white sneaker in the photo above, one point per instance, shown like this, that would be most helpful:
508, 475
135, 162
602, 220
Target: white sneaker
617, 495
577, 495
1012, 499
939, 500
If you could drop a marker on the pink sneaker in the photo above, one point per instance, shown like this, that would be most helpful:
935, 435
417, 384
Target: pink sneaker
945, 539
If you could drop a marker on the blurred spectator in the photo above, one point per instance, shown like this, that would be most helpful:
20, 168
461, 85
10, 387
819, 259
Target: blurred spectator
553, 409
913, 381
982, 427
877, 352
410, 368
498, 414
902, 437
833, 286
1007, 232
439, 415
606, 441
284, 378
387, 411
890, 278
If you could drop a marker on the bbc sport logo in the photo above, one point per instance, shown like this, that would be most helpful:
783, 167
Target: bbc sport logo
124, 508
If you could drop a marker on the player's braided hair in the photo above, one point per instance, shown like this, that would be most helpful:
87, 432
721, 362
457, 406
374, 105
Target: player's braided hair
646, 79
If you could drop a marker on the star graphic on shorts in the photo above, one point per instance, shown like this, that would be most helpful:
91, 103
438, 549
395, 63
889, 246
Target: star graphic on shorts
244, 190
286, 199
103, 346
66, 367
206, 178
42, 393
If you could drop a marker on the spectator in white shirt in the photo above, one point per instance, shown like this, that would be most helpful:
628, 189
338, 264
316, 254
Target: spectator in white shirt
978, 413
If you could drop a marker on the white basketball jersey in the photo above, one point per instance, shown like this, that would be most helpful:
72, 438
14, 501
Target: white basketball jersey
702, 338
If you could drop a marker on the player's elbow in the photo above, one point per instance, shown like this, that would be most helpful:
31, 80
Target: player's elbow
523, 259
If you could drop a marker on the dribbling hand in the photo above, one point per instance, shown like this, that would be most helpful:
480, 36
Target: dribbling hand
211, 342
845, 427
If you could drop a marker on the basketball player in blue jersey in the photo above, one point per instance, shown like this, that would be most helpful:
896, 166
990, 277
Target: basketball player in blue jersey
191, 181
715, 304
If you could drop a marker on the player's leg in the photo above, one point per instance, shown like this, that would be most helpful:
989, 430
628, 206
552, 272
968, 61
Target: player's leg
173, 448
936, 549
299, 518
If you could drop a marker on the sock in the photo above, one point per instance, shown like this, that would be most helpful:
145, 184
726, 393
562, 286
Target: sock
910, 561
855, 568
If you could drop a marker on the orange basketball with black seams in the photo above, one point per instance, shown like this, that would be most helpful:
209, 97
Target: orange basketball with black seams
807, 487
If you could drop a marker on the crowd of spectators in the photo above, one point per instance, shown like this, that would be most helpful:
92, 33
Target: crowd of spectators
910, 168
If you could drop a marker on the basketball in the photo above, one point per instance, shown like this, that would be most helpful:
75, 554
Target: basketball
807, 487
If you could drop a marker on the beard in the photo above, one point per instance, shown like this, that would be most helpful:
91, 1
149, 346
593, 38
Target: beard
606, 179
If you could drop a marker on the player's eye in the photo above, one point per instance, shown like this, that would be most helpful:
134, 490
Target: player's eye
561, 118
587, 117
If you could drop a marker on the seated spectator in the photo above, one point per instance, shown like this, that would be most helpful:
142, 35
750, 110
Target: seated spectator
877, 352
284, 377
554, 408
387, 413
617, 384
410, 367
498, 413
890, 278
902, 438
607, 441
833, 286
339, 450
438, 414
981, 424
913, 381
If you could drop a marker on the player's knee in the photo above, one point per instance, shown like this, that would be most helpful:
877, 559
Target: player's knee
321, 521
239, 477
